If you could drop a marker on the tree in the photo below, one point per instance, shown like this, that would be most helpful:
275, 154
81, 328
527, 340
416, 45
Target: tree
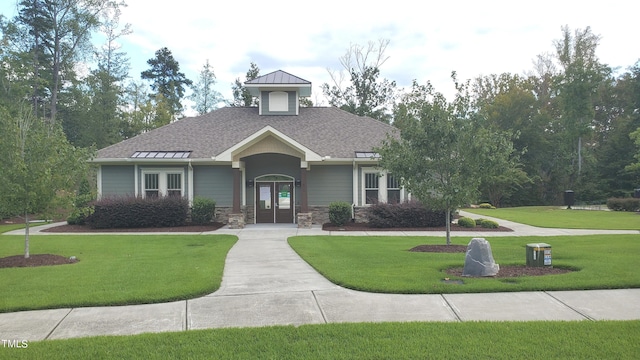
439, 154
38, 163
241, 96
205, 97
61, 31
364, 94
583, 73
167, 79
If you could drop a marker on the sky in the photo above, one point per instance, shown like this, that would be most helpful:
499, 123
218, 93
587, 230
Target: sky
427, 41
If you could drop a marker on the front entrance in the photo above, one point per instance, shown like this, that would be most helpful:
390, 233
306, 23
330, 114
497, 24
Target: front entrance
274, 202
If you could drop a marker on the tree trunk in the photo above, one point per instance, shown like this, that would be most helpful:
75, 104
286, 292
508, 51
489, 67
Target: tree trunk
448, 217
26, 235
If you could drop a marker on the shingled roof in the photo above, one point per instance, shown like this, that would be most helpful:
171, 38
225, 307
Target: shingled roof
328, 131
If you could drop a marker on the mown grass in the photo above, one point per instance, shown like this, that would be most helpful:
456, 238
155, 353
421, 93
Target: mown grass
8, 227
473, 340
559, 217
384, 264
113, 270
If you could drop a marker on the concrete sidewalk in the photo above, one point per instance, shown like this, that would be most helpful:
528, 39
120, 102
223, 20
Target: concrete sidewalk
266, 283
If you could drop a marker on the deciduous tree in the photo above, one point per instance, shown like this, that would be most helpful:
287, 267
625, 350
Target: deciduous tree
364, 93
206, 98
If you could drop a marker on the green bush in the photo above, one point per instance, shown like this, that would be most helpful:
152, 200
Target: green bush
624, 204
467, 222
488, 224
138, 212
339, 212
410, 214
79, 216
486, 206
202, 210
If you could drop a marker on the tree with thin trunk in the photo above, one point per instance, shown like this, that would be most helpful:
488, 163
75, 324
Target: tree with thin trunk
38, 163
204, 95
441, 150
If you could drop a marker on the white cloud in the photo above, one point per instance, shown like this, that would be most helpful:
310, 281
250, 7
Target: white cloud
428, 39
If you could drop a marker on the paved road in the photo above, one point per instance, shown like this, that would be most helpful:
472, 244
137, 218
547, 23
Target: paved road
266, 283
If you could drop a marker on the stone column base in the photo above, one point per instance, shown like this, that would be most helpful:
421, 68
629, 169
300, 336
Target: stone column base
305, 220
236, 221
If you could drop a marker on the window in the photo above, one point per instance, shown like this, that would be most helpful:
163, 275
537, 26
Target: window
278, 101
393, 189
162, 183
379, 186
151, 188
371, 188
174, 184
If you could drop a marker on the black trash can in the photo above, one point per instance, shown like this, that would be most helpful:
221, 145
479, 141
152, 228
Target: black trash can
636, 193
569, 198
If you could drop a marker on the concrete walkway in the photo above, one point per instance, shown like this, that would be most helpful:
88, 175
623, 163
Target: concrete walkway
266, 283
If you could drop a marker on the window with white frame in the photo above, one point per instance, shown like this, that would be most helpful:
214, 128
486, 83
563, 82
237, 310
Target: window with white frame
371, 187
393, 189
162, 183
380, 186
278, 101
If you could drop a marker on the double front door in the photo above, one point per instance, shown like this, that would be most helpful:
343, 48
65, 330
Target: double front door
274, 202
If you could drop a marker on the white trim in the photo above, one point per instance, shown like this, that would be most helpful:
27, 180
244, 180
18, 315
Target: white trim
227, 155
162, 180
136, 180
99, 182
355, 184
278, 101
382, 186
191, 194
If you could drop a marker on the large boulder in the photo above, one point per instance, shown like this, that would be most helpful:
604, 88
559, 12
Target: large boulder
479, 259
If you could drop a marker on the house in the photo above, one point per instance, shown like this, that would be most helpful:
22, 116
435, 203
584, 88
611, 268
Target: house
275, 163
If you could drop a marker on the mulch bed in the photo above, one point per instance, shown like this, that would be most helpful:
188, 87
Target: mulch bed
505, 271
354, 226
86, 229
35, 260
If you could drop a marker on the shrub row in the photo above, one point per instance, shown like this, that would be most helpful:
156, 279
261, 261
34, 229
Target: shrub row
624, 204
137, 212
471, 223
405, 215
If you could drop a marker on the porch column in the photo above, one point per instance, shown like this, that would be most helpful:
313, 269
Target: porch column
304, 205
237, 179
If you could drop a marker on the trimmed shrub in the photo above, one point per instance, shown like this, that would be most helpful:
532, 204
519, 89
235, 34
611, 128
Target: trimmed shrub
339, 212
486, 206
202, 210
408, 214
467, 222
624, 204
488, 224
138, 212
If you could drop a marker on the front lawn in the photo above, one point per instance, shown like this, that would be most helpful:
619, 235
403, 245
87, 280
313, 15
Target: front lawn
384, 264
113, 270
560, 217
471, 340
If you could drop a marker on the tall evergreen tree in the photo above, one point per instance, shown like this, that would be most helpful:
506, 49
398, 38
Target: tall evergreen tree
241, 96
167, 80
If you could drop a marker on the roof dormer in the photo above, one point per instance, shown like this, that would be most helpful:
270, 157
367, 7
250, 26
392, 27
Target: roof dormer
279, 92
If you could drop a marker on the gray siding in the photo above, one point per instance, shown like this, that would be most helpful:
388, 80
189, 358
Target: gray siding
118, 180
214, 182
264, 102
330, 183
271, 164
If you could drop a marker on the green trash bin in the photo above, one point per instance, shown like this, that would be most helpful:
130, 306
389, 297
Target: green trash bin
539, 255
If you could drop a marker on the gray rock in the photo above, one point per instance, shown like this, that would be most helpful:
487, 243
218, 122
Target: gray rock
479, 259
